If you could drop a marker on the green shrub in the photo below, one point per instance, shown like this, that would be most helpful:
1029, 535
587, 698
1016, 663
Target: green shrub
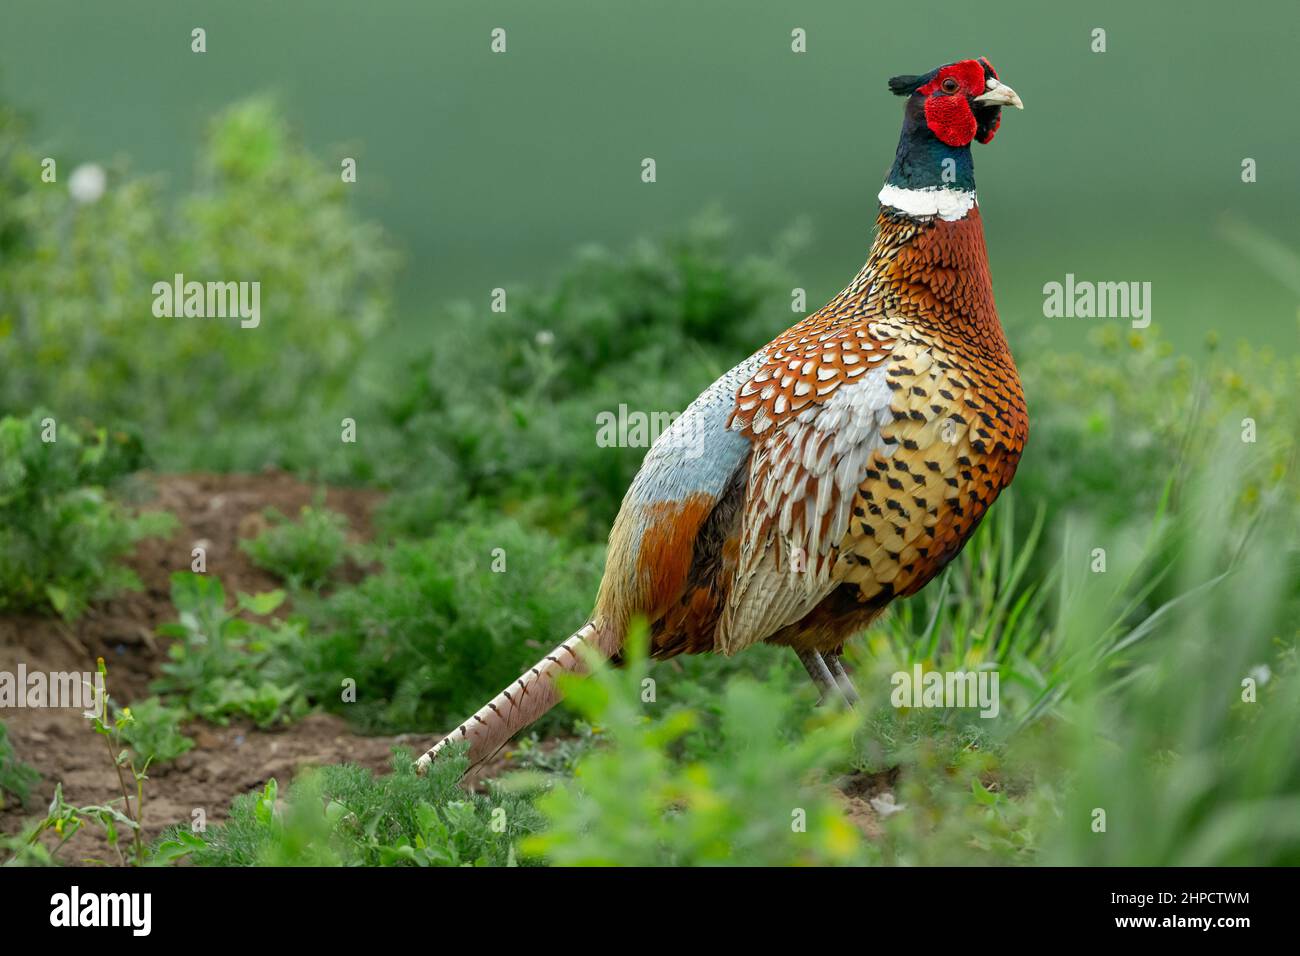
754, 800
223, 665
503, 409
60, 534
302, 553
153, 731
76, 296
1113, 430
347, 816
438, 631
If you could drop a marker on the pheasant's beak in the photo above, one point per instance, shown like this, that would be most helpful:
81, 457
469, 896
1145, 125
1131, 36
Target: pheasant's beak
999, 94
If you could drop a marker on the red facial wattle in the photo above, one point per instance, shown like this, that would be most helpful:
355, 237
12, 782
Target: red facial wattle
947, 107
950, 119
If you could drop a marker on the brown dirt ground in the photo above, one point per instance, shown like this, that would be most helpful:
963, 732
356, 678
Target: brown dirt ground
214, 511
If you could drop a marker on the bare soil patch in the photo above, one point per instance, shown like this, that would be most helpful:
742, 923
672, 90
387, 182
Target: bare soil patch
214, 511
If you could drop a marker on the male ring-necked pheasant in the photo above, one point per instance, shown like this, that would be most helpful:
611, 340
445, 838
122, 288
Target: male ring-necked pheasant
840, 466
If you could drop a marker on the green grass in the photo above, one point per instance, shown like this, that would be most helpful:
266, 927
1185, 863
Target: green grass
16, 777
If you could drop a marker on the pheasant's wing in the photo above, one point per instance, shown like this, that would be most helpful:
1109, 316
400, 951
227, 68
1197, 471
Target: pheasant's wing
690, 468
815, 411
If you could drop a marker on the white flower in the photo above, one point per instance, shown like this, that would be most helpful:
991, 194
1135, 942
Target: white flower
1261, 673
545, 338
885, 805
87, 183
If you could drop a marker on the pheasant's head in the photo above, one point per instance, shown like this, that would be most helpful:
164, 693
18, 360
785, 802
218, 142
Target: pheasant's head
947, 110
959, 102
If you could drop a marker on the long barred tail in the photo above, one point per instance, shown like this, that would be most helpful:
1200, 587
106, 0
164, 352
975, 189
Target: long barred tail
527, 699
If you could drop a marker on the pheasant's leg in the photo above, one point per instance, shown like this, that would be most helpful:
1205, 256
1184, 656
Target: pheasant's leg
821, 676
842, 680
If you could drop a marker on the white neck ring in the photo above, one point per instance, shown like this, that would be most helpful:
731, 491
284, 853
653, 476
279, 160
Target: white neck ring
930, 201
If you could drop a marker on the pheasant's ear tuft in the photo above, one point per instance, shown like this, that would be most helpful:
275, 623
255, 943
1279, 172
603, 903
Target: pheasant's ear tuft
904, 85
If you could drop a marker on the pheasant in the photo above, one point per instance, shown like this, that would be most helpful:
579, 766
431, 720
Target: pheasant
839, 467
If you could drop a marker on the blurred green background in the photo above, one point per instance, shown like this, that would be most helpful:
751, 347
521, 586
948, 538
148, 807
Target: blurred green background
488, 169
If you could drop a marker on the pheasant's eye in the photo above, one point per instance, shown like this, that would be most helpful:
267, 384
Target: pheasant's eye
950, 85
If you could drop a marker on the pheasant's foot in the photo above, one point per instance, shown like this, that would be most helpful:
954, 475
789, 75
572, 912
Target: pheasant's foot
821, 675
842, 680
